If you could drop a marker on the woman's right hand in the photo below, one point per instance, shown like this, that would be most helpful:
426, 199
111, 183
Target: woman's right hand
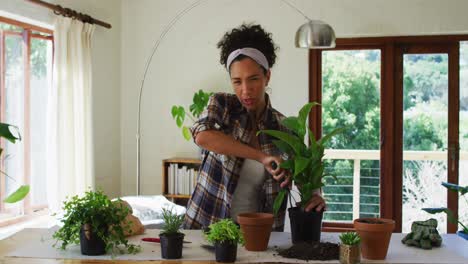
272, 165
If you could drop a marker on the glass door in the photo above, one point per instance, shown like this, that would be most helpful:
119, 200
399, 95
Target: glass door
428, 122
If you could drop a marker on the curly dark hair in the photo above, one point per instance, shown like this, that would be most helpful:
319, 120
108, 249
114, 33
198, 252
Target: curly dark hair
247, 36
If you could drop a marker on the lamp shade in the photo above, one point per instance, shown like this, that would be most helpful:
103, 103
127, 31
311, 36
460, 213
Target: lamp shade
315, 34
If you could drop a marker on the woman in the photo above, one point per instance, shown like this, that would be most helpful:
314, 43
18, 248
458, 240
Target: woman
236, 174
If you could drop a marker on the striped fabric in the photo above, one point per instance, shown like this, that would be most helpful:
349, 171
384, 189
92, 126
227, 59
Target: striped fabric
219, 174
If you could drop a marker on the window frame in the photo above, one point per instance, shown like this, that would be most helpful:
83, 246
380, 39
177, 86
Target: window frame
27, 35
391, 154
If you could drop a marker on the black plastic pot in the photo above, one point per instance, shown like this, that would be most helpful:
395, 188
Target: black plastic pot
171, 245
305, 226
90, 243
226, 252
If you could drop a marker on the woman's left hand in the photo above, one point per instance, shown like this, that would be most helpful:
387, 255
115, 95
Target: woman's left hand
316, 202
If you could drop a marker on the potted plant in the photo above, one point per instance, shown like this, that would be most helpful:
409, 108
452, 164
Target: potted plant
179, 114
350, 251
452, 218
305, 162
96, 223
6, 133
256, 229
375, 236
224, 235
170, 237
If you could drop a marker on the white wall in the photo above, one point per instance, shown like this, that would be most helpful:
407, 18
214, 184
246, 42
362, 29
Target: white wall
187, 59
106, 79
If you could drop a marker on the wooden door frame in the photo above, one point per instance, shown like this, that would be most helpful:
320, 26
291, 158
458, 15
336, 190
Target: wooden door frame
391, 131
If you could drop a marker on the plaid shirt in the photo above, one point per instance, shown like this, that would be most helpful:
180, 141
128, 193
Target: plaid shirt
217, 180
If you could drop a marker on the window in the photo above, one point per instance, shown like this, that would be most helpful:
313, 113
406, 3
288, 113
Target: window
25, 78
400, 97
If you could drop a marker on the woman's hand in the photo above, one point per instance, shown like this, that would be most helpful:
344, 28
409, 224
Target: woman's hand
316, 202
272, 165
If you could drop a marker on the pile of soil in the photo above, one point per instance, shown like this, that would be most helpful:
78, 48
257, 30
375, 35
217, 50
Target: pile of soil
311, 251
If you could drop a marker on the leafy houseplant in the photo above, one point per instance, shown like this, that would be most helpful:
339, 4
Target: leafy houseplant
305, 162
170, 237
225, 235
95, 222
350, 251
22, 191
450, 215
179, 114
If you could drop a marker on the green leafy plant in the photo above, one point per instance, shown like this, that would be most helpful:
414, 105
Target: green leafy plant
450, 215
6, 133
350, 238
172, 222
105, 218
224, 231
304, 161
179, 114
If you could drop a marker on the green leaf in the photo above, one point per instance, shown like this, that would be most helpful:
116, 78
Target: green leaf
435, 210
180, 116
300, 163
457, 188
186, 133
18, 195
292, 124
283, 146
293, 141
5, 132
287, 164
279, 200
200, 101
325, 139
174, 111
302, 118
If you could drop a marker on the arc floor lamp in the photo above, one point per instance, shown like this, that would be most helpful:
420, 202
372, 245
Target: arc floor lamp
314, 34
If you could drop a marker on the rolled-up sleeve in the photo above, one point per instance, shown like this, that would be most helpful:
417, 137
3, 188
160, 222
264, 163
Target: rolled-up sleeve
213, 117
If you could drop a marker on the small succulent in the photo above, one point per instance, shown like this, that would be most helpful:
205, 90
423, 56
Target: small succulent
350, 238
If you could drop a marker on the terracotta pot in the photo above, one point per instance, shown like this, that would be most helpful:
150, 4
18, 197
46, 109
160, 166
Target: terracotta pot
375, 236
256, 228
350, 254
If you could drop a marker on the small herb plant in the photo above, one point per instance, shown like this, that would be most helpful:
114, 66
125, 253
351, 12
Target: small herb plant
224, 231
105, 218
172, 222
304, 161
179, 114
450, 215
6, 133
350, 238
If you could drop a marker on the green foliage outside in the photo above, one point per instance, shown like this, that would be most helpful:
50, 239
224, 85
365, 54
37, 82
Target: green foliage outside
105, 218
224, 231
14, 52
351, 97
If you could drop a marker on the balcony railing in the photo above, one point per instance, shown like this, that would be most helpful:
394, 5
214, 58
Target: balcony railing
340, 196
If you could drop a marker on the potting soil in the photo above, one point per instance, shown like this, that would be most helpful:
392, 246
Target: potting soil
311, 251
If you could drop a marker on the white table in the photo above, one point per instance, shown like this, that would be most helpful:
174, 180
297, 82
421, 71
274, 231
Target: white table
37, 244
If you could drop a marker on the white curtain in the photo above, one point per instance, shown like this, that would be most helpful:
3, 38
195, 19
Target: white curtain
69, 120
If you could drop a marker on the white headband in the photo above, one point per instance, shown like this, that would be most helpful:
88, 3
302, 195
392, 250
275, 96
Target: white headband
255, 54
